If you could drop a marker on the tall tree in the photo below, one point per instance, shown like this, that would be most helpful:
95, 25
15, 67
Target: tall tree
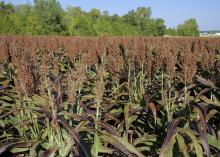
6, 8
160, 26
6, 22
79, 22
95, 13
48, 17
171, 32
188, 28
138, 17
50, 14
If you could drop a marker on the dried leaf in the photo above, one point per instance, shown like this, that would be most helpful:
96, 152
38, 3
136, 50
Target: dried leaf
204, 142
202, 118
171, 130
108, 127
206, 82
126, 115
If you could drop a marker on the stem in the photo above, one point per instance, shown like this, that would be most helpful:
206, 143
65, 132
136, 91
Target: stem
129, 76
79, 109
97, 112
170, 106
142, 80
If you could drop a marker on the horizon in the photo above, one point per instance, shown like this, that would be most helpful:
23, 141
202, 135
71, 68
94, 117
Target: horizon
207, 20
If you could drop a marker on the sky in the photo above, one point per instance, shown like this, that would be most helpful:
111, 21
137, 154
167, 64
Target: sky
174, 12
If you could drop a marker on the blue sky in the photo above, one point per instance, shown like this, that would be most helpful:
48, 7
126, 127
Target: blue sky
174, 12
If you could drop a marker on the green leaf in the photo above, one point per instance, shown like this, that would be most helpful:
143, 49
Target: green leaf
74, 134
104, 149
213, 141
19, 150
6, 98
192, 136
145, 139
167, 150
96, 145
38, 100
182, 145
209, 101
122, 144
170, 147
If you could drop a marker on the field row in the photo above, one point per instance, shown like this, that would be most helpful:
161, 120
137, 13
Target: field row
109, 96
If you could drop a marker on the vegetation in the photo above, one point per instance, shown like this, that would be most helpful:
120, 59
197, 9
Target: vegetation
109, 96
189, 27
46, 17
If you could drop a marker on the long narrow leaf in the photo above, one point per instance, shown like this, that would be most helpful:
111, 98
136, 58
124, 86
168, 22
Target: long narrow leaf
182, 145
74, 134
192, 136
122, 144
48, 152
204, 142
10, 145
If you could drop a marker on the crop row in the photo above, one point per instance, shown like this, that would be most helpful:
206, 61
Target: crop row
109, 96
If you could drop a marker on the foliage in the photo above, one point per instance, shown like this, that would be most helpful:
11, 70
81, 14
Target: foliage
188, 28
46, 17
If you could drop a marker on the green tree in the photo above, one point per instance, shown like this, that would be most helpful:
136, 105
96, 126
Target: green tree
72, 19
50, 14
171, 32
188, 28
120, 27
153, 27
138, 18
48, 17
103, 27
160, 26
95, 13
20, 19
6, 8
6, 22
79, 22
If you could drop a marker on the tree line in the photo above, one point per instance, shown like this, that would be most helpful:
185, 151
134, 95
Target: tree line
47, 17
